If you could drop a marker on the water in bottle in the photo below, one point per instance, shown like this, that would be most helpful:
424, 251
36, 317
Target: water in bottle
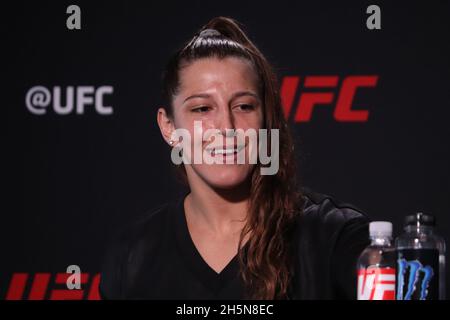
376, 265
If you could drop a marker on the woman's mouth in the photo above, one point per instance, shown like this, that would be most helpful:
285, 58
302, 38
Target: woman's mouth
225, 152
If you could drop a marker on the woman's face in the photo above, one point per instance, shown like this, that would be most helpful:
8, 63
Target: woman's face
222, 94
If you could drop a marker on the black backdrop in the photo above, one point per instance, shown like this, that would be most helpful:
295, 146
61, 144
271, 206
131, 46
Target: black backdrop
72, 180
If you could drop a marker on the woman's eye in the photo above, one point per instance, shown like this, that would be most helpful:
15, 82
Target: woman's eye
246, 107
201, 109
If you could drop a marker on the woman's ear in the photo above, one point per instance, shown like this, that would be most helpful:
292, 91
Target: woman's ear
166, 125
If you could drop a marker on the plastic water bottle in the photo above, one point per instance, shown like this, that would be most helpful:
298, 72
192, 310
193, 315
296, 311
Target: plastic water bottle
420, 260
376, 265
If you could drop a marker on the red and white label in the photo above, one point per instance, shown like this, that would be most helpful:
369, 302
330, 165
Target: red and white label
376, 283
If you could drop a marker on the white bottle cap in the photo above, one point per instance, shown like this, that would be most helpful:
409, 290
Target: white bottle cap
380, 229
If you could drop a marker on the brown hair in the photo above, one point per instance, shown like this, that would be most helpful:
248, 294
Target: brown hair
275, 200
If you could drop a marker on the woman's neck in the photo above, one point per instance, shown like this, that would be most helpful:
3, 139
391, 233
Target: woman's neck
222, 211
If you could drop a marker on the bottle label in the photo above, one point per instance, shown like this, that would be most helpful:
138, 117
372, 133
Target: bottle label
417, 274
375, 283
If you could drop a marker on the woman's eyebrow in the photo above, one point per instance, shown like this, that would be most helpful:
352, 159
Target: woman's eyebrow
200, 95
244, 93
234, 96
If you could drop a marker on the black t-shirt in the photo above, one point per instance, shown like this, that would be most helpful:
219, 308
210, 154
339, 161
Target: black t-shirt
155, 258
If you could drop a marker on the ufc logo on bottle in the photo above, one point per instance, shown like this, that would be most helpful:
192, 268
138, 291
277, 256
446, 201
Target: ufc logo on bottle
376, 284
319, 91
68, 100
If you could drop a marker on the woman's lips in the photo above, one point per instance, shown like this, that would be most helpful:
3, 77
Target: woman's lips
225, 152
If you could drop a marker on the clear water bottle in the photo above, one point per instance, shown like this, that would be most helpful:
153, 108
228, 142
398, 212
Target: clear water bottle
420, 260
376, 265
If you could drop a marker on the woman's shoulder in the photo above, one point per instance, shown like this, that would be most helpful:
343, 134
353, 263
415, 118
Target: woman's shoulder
326, 209
135, 239
328, 220
151, 220
331, 235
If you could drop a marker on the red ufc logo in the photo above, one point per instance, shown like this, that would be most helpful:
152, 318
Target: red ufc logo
376, 284
343, 111
40, 284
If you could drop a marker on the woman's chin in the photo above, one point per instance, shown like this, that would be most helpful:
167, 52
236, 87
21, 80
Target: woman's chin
226, 177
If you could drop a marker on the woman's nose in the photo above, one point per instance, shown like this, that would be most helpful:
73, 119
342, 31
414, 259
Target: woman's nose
225, 122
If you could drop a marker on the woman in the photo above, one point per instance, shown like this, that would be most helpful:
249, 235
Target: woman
237, 233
